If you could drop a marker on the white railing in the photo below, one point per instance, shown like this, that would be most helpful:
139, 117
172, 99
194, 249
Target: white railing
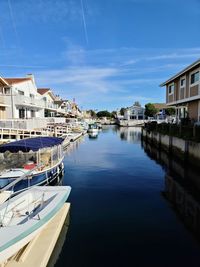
28, 124
25, 100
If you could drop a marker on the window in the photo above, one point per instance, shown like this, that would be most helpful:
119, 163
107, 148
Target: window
182, 82
195, 77
7, 91
21, 113
32, 113
20, 92
31, 95
171, 89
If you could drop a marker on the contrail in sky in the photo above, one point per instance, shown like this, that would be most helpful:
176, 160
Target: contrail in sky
84, 22
13, 21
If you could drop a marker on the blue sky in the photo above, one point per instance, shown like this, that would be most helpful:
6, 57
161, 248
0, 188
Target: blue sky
104, 53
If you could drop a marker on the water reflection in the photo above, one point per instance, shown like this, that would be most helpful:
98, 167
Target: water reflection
130, 134
73, 146
60, 242
184, 202
118, 214
93, 135
182, 187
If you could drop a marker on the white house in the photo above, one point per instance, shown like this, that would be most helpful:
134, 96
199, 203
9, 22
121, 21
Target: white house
135, 112
48, 97
20, 97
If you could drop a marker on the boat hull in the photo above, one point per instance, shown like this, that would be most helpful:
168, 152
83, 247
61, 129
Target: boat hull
21, 239
46, 177
93, 130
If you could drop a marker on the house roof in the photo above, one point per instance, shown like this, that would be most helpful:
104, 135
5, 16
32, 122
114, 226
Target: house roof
3, 81
42, 91
160, 105
181, 72
11, 81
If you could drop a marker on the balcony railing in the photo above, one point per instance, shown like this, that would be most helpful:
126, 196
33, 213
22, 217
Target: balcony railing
28, 101
2, 100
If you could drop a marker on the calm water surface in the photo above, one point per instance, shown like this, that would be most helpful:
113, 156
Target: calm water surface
119, 213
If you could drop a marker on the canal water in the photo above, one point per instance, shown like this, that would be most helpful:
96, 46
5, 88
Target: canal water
123, 210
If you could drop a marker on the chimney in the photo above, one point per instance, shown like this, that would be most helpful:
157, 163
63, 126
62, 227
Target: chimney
31, 76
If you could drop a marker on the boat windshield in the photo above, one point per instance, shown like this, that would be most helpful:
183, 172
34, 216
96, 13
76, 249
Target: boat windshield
45, 157
10, 160
4, 182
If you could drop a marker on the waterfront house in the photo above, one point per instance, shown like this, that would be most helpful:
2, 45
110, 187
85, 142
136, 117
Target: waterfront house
75, 110
4, 91
135, 112
48, 97
19, 98
183, 92
64, 106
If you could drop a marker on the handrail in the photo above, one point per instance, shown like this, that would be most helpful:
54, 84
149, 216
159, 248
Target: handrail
19, 179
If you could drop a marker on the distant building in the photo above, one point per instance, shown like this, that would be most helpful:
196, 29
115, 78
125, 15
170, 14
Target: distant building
161, 107
135, 112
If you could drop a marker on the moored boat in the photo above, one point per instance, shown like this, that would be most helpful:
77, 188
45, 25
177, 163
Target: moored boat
92, 128
99, 126
39, 160
25, 216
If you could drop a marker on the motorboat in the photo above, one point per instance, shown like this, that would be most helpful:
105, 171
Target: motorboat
92, 128
25, 215
39, 161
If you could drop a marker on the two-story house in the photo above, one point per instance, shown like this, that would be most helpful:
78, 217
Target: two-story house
183, 92
64, 106
135, 112
48, 97
4, 91
20, 99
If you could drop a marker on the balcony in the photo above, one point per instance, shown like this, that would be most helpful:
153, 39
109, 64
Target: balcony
50, 105
22, 100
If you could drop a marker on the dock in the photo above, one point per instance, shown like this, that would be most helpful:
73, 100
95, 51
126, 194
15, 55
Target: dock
38, 252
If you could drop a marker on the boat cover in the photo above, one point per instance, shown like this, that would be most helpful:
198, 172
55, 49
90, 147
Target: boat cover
29, 144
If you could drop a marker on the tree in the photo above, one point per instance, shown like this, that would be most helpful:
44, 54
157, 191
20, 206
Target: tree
92, 113
113, 114
170, 111
104, 113
122, 110
150, 110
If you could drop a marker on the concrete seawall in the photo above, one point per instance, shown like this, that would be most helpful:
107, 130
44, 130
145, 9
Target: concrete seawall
183, 149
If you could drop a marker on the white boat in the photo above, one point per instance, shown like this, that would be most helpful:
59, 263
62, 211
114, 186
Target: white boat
5, 195
92, 128
93, 135
40, 159
25, 216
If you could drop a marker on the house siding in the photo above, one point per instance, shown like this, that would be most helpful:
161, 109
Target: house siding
170, 98
187, 85
176, 90
193, 110
194, 90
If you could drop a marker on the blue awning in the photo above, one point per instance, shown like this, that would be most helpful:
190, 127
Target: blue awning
29, 144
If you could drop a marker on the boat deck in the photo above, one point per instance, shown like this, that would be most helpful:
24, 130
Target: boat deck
39, 250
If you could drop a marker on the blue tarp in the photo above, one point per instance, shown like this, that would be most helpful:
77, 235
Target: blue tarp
33, 144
